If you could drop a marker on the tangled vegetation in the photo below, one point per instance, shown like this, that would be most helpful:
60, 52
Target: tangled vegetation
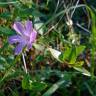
47, 47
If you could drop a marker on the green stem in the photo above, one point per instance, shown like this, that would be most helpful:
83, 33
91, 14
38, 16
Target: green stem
24, 63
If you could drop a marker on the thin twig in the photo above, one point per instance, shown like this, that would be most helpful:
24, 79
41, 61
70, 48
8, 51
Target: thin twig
75, 8
57, 5
83, 28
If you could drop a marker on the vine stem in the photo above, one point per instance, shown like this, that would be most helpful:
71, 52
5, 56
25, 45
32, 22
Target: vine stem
25, 67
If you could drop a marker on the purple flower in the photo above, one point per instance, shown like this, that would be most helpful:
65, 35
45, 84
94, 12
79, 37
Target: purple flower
25, 37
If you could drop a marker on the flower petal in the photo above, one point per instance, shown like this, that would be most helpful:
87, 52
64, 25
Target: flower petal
33, 36
19, 48
29, 46
28, 27
19, 28
15, 39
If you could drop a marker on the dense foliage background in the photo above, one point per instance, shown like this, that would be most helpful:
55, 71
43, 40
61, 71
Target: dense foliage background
62, 61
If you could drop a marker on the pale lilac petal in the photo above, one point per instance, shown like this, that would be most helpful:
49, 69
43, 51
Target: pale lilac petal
33, 36
15, 39
29, 46
28, 27
19, 48
27, 36
19, 28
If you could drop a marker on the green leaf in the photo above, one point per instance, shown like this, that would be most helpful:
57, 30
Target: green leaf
53, 88
65, 54
10, 59
75, 52
5, 15
79, 49
82, 70
2, 67
37, 86
70, 54
39, 58
26, 83
6, 31
2, 60
29, 84
25, 12
78, 64
1, 93
4, 47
